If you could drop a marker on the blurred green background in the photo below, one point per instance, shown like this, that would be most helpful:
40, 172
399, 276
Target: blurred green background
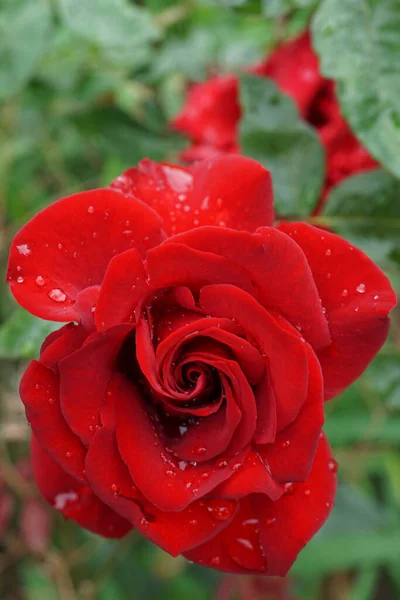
86, 90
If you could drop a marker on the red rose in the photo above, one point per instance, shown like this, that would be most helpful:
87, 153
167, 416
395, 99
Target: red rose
211, 114
187, 401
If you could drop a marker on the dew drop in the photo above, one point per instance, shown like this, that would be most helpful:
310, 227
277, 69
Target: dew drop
20, 280
333, 466
200, 450
221, 464
328, 504
205, 475
193, 522
170, 473
219, 512
90, 210
215, 561
24, 250
114, 487
60, 246
270, 521
57, 295
51, 400
127, 233
40, 282
68, 454
290, 488
285, 444
307, 493
376, 297
361, 288
345, 293
328, 252
144, 524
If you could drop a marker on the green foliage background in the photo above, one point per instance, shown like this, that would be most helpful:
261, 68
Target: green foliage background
86, 90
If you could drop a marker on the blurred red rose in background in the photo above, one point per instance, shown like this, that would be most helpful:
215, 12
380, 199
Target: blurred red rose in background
211, 113
185, 396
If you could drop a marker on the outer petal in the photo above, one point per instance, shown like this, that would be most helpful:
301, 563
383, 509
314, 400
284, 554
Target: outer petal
231, 191
175, 532
291, 456
84, 376
67, 247
288, 524
357, 298
39, 391
276, 267
266, 536
73, 500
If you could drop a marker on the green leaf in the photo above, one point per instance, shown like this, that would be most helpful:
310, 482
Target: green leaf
22, 335
122, 31
374, 193
24, 32
338, 552
272, 132
278, 8
359, 44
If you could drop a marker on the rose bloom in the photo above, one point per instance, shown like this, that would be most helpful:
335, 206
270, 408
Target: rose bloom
211, 113
185, 395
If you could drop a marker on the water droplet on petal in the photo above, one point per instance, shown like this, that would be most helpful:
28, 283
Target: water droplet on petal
290, 488
376, 297
361, 288
57, 295
170, 473
20, 280
144, 524
328, 252
221, 464
68, 454
333, 466
60, 246
285, 444
200, 450
307, 492
219, 512
40, 282
345, 293
24, 250
90, 210
270, 521
51, 400
193, 522
114, 487
215, 561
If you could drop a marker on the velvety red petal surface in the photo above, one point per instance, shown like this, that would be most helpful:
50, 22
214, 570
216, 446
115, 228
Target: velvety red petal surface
266, 536
170, 484
73, 500
357, 298
84, 377
39, 391
229, 191
275, 266
68, 246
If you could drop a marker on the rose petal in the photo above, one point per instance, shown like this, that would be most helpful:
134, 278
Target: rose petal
73, 500
52, 259
253, 477
169, 485
231, 191
39, 391
123, 287
291, 456
357, 297
84, 376
266, 536
276, 267
211, 112
285, 353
